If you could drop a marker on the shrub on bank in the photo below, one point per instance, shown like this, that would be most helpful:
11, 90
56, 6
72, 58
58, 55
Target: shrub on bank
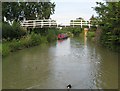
15, 45
5, 49
0, 48
11, 44
44, 39
35, 39
12, 31
52, 35
7, 30
25, 42
91, 34
74, 30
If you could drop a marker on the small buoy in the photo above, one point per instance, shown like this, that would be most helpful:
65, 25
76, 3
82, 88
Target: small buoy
69, 86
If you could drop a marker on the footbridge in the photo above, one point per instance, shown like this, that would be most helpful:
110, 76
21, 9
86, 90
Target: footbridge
52, 23
39, 23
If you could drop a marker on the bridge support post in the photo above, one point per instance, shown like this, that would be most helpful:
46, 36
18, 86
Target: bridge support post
73, 23
50, 23
89, 24
41, 23
81, 23
34, 24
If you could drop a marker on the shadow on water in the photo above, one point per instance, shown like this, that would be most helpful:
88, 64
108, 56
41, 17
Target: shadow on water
75, 61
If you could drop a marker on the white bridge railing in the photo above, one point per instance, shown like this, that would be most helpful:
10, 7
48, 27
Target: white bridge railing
81, 23
39, 23
52, 23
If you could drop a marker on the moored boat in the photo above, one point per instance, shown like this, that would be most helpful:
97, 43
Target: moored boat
62, 36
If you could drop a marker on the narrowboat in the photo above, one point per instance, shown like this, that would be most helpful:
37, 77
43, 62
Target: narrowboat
62, 36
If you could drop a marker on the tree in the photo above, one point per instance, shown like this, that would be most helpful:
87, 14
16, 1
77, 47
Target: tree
28, 10
109, 20
93, 20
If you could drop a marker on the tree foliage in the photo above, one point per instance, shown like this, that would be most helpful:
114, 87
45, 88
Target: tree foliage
109, 21
11, 32
17, 11
28, 10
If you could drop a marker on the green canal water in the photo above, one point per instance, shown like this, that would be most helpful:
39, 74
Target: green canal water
73, 61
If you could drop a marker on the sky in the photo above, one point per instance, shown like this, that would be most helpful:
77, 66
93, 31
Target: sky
66, 10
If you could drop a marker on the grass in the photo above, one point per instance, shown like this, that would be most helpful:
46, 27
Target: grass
0, 48
5, 49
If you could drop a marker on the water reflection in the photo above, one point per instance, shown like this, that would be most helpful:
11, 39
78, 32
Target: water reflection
63, 47
85, 40
72, 61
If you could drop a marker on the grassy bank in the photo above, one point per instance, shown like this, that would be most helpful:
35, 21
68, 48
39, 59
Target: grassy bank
27, 41
0, 48
24, 42
15, 37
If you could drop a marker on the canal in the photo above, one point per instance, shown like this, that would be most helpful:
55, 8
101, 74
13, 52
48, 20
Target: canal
75, 61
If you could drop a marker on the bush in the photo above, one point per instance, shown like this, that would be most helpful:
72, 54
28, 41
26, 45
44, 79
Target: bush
51, 36
0, 48
29, 40
15, 45
93, 28
7, 30
44, 39
74, 30
91, 34
5, 49
0, 31
18, 31
14, 31
41, 31
35, 39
